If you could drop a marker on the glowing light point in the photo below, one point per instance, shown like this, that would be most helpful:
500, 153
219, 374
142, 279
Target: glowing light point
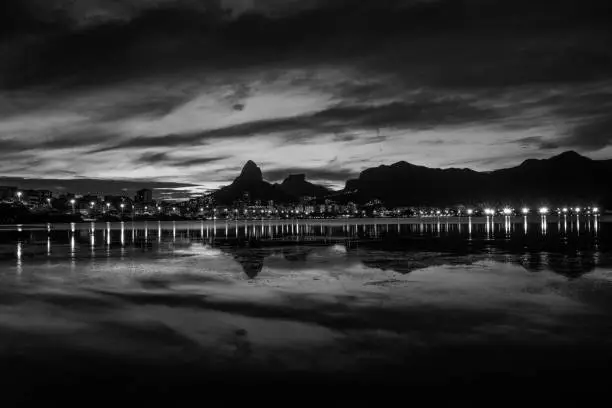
595, 210
470, 212
543, 210
507, 211
525, 210
577, 210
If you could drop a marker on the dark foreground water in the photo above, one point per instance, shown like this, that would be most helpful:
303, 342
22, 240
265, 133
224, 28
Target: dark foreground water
165, 312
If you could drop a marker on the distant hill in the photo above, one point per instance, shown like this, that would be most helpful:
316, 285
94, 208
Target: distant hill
566, 178
297, 186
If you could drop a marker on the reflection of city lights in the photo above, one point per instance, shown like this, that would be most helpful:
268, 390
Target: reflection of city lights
525, 210
507, 211
543, 210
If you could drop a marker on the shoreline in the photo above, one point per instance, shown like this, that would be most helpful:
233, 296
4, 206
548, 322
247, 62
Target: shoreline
606, 218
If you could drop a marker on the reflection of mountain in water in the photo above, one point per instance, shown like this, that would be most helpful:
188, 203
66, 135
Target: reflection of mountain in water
252, 257
406, 254
252, 262
571, 251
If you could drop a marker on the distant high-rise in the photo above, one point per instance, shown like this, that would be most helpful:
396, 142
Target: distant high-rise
144, 196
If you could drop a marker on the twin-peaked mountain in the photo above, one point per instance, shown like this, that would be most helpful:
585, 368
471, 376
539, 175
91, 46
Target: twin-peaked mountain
251, 181
567, 178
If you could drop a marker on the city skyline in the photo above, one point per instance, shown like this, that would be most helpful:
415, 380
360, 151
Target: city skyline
182, 91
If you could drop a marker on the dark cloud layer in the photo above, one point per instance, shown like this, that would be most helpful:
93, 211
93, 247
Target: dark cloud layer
536, 41
167, 159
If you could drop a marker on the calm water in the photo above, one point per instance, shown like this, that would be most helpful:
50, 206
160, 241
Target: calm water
434, 303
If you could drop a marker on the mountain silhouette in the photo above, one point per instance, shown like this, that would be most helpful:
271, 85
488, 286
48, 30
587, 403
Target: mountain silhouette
250, 182
250, 173
297, 186
567, 178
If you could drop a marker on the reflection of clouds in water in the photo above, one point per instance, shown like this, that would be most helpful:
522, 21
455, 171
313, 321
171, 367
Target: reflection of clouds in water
306, 300
247, 299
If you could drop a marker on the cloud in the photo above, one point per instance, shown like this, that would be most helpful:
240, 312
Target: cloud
165, 159
88, 185
593, 135
336, 119
537, 141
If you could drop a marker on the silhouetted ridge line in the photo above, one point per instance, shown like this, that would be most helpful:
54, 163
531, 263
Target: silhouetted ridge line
568, 177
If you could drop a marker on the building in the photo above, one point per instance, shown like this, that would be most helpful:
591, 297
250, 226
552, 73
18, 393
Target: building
8, 193
144, 196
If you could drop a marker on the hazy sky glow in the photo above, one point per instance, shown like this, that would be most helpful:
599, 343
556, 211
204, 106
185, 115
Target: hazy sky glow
181, 90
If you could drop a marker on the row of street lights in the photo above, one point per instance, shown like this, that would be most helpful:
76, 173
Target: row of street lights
542, 211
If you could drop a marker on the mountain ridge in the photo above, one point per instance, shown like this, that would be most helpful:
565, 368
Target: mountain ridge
567, 176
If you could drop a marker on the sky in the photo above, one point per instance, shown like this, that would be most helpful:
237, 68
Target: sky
187, 91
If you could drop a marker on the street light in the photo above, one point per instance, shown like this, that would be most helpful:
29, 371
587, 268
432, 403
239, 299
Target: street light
507, 211
19, 194
525, 211
49, 202
470, 211
72, 203
544, 210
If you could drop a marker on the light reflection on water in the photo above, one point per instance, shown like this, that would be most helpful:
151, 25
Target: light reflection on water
310, 283
485, 235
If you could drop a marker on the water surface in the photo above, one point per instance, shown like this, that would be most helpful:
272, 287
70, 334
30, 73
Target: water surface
433, 302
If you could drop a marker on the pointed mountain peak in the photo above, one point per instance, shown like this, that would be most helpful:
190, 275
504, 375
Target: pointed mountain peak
251, 172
